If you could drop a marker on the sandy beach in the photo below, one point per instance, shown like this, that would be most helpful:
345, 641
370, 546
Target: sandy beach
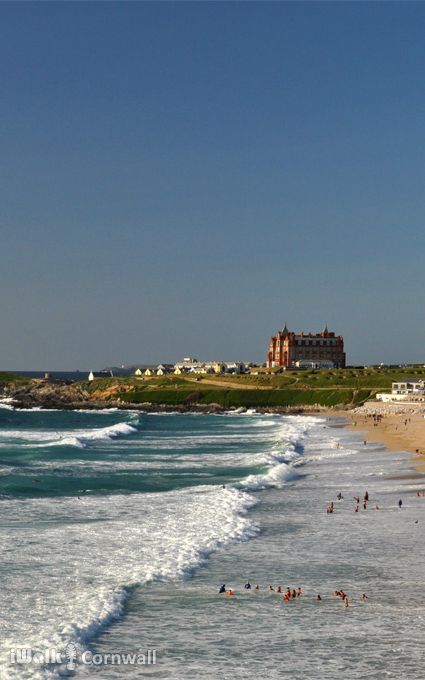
400, 427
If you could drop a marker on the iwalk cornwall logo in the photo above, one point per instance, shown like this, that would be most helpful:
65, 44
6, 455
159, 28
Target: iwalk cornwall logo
72, 656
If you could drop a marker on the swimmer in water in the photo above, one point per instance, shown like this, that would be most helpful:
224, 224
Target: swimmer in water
319, 599
357, 508
247, 586
346, 602
299, 591
364, 597
271, 589
229, 593
257, 587
278, 589
400, 503
222, 589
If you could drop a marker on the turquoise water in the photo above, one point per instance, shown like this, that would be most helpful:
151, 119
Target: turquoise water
71, 453
119, 527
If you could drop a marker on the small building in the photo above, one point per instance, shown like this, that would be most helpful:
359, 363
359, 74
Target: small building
235, 367
188, 363
410, 386
149, 372
201, 370
411, 389
138, 371
323, 363
163, 369
180, 370
99, 374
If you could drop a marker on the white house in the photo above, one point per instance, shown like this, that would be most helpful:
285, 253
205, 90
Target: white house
163, 369
99, 374
410, 386
405, 390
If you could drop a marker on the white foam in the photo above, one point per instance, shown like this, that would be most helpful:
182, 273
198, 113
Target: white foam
84, 554
6, 405
89, 564
69, 437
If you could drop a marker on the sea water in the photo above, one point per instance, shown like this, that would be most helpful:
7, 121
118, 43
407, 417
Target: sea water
117, 529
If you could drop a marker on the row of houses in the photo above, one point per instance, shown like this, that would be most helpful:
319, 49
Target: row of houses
192, 366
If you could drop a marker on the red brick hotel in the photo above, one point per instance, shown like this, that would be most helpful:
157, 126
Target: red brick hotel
287, 348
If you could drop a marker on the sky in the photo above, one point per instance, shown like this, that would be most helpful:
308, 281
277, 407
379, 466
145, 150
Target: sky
181, 179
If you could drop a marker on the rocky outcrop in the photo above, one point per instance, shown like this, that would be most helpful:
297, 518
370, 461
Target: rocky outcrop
48, 395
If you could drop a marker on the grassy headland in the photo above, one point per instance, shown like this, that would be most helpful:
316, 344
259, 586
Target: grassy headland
337, 387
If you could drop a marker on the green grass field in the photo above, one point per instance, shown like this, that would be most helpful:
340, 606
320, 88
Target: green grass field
248, 398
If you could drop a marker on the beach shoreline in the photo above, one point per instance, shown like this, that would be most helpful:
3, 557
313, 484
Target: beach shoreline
399, 427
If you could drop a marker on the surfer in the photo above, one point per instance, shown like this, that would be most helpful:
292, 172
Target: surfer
222, 589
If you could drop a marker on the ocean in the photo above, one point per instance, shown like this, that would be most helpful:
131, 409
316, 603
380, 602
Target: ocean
118, 528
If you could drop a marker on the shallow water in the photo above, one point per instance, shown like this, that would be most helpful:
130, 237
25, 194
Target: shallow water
122, 543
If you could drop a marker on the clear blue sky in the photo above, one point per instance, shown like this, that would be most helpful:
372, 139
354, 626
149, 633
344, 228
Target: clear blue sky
180, 179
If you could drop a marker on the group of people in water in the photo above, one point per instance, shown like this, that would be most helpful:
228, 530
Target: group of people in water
289, 594
330, 507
